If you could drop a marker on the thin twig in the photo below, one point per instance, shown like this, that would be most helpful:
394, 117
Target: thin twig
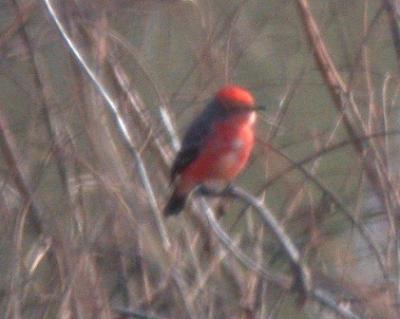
327, 150
19, 22
271, 222
291, 251
363, 230
245, 260
326, 300
9, 150
302, 272
119, 123
340, 94
129, 313
393, 17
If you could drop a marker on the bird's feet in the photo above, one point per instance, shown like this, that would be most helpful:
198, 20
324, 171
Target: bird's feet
207, 191
228, 188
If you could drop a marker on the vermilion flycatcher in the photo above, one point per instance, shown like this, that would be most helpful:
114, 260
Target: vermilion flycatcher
217, 145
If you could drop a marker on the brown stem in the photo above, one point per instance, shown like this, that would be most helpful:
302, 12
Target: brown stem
10, 153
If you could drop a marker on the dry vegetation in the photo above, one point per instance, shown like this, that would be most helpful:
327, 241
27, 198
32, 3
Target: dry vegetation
93, 97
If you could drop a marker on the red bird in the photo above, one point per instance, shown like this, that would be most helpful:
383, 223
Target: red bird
217, 145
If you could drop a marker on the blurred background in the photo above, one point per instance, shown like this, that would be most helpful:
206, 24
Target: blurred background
83, 181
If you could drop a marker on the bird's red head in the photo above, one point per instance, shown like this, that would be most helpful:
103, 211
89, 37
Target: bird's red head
233, 96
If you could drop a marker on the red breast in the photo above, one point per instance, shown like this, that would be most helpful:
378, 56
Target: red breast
227, 149
216, 146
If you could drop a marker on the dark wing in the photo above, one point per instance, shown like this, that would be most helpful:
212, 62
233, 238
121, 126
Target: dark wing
194, 138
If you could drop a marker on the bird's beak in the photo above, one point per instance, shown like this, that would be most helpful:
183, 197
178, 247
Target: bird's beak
256, 108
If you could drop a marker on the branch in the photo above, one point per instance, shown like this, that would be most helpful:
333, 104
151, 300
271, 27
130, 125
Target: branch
340, 92
326, 300
393, 17
120, 125
11, 156
302, 272
278, 279
128, 313
363, 230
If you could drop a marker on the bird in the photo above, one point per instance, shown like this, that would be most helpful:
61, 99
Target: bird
216, 146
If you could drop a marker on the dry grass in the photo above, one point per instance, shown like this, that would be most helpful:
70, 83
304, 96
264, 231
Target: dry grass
93, 97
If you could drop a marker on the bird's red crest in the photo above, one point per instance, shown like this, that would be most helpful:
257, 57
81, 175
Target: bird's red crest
235, 95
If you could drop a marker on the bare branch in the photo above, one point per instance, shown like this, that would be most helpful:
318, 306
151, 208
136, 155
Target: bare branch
119, 123
302, 272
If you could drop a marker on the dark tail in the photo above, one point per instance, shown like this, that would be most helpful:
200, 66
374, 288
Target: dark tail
175, 204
